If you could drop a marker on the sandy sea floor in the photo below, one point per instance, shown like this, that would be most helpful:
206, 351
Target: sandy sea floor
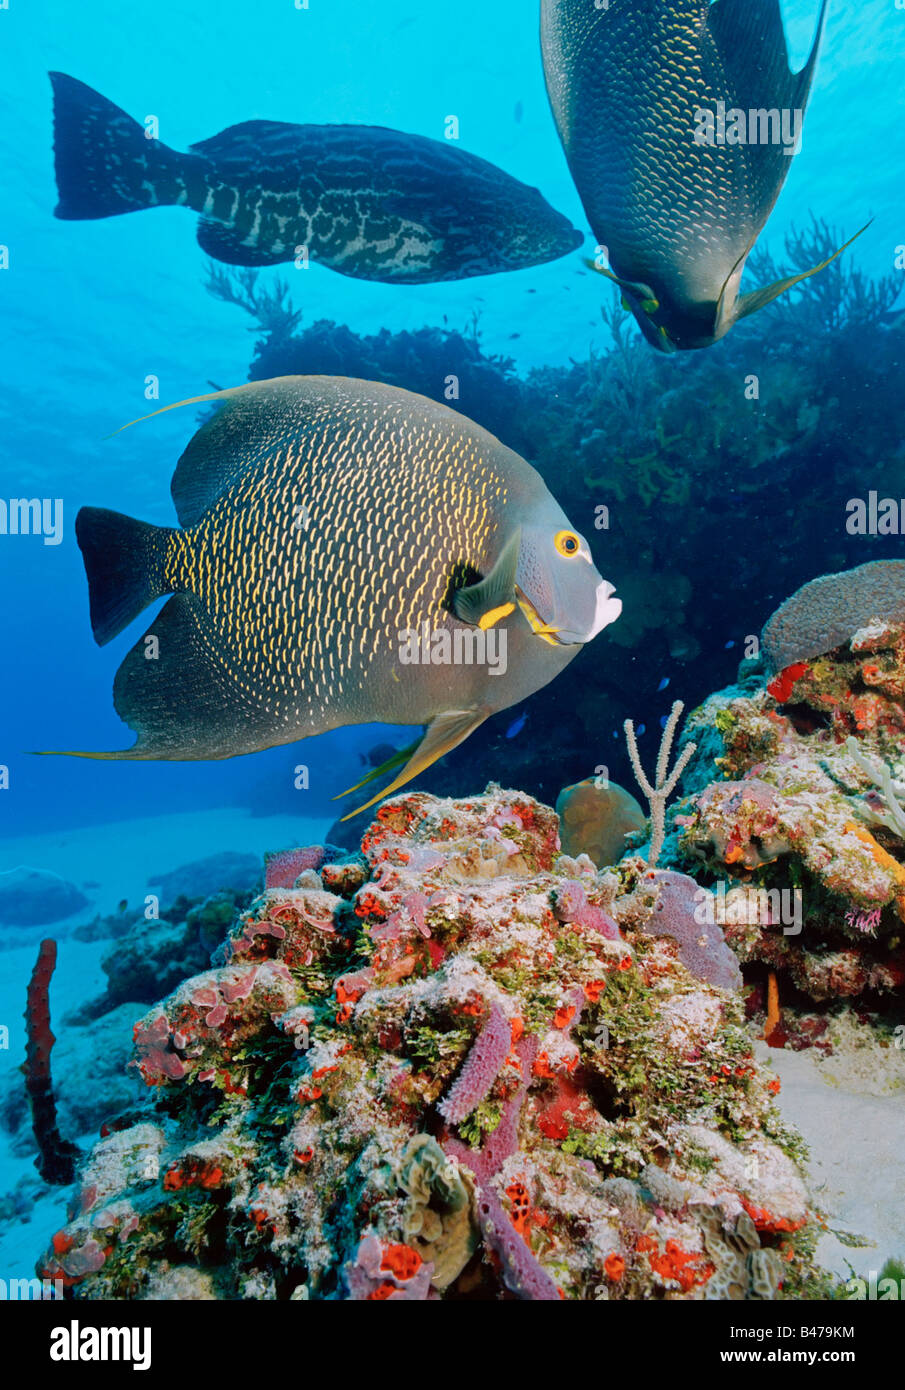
850, 1110
117, 860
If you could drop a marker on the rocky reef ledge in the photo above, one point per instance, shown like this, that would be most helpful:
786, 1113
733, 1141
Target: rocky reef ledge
459, 1064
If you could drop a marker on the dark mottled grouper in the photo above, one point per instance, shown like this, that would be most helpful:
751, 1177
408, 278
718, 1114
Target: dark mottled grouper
638, 88
366, 201
322, 518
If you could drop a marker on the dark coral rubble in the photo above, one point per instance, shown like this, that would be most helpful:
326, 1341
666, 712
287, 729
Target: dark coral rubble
455, 1065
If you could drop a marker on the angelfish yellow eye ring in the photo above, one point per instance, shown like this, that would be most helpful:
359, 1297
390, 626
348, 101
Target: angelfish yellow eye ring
567, 543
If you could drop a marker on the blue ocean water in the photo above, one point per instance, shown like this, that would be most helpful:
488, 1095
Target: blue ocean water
91, 309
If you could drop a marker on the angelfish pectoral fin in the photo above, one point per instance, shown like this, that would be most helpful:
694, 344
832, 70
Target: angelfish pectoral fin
493, 598
648, 300
758, 299
397, 760
444, 733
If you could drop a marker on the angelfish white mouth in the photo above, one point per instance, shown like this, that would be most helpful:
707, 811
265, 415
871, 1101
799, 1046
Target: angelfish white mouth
607, 609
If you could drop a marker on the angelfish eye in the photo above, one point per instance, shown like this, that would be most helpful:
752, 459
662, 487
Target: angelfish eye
567, 543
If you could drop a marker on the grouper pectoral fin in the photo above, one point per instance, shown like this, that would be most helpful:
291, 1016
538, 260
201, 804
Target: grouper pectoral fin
445, 732
750, 303
226, 245
493, 597
173, 691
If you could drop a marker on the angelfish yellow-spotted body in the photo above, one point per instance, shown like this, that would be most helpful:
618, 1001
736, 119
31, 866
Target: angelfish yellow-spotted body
324, 521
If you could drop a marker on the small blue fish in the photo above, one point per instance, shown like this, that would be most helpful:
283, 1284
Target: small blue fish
515, 728
642, 728
663, 684
664, 720
728, 646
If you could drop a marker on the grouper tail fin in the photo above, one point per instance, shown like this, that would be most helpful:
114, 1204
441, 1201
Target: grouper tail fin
124, 565
104, 163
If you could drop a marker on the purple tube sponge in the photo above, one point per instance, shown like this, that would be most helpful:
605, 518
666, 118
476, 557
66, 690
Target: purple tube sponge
522, 1272
570, 904
482, 1067
702, 947
503, 1141
283, 868
374, 1275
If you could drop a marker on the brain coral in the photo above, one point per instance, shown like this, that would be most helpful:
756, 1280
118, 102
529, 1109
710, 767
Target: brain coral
595, 820
824, 613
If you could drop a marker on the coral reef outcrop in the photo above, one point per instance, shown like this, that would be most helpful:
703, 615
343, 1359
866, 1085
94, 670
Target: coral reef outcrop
804, 832
35, 897
456, 1065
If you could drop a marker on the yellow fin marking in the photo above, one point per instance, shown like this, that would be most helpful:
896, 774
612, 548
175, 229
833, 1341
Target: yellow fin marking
493, 617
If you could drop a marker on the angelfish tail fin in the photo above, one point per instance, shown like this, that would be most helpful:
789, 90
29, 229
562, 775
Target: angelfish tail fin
444, 733
124, 565
750, 38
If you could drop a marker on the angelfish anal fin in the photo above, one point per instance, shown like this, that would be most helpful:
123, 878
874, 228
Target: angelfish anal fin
444, 733
758, 299
481, 604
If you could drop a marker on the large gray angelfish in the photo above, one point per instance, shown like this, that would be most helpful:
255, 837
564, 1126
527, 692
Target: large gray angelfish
679, 119
366, 201
348, 553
